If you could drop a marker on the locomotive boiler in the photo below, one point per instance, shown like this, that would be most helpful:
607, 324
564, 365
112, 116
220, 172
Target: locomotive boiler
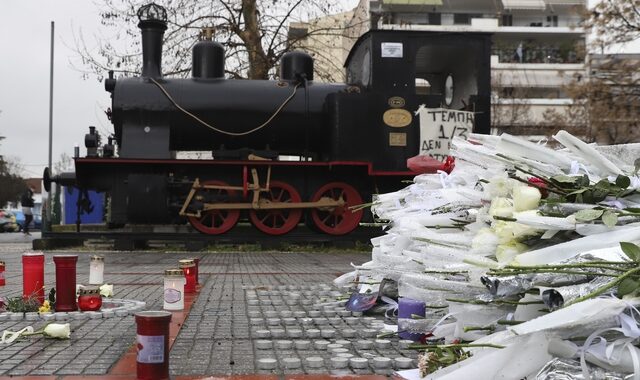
279, 152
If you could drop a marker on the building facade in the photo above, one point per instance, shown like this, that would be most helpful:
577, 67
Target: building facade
538, 48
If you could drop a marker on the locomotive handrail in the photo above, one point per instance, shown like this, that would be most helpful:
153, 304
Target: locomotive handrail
196, 118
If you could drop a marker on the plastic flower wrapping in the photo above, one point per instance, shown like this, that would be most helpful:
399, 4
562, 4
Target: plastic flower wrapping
524, 256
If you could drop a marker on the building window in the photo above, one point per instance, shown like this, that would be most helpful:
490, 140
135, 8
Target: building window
507, 20
434, 19
461, 19
552, 20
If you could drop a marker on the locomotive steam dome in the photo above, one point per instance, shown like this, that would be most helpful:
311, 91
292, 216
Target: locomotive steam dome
294, 64
208, 58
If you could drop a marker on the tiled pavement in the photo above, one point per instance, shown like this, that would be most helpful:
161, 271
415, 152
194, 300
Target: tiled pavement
244, 295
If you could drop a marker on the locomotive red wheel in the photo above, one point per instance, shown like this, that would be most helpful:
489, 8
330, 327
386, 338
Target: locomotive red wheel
274, 221
216, 222
337, 220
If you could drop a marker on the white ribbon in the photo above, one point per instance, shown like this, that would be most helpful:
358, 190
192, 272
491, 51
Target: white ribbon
604, 352
10, 336
392, 306
576, 166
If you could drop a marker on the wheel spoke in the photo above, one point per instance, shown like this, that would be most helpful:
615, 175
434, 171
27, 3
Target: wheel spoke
277, 221
338, 220
215, 222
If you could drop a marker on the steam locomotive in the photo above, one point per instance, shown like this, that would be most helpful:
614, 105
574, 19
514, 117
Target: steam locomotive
283, 151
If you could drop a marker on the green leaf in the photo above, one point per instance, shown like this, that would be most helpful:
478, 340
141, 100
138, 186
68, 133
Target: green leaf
603, 184
627, 286
622, 181
584, 180
599, 195
631, 250
565, 179
588, 215
609, 218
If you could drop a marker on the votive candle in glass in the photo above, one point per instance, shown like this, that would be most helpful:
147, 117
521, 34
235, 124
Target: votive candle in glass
188, 267
2, 280
406, 308
66, 282
96, 270
89, 299
174, 281
196, 260
33, 275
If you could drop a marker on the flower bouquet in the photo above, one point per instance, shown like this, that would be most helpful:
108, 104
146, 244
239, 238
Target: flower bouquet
524, 256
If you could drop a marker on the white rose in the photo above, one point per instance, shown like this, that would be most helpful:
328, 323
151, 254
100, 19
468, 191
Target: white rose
106, 290
56, 330
484, 242
505, 253
512, 231
501, 207
526, 198
500, 186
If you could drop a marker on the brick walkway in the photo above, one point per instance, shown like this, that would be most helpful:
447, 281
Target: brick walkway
242, 293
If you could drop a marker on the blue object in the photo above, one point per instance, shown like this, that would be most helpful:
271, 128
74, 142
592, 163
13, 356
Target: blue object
70, 208
36, 223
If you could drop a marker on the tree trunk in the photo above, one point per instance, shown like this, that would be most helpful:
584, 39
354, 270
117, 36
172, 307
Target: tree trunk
252, 38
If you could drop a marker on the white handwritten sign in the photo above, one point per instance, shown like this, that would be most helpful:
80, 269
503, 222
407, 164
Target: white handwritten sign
438, 126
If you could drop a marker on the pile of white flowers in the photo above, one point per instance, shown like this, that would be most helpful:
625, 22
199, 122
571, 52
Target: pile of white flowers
447, 231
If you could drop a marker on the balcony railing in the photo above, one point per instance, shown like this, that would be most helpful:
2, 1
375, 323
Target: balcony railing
536, 53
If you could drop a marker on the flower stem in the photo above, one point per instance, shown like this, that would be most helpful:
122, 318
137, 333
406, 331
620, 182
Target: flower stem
509, 323
445, 346
497, 302
509, 273
604, 288
479, 328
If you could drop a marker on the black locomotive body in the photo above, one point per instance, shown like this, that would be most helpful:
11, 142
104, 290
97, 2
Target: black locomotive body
344, 146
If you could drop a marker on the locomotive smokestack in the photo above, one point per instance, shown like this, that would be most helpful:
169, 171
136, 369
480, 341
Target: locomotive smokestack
153, 23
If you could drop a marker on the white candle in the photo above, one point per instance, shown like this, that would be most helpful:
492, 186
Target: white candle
96, 270
174, 282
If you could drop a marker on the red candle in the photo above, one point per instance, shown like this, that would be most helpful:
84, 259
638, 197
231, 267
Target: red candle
152, 362
33, 275
2, 281
89, 299
196, 260
66, 282
189, 269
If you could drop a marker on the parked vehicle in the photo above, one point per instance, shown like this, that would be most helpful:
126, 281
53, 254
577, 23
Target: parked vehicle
8, 221
36, 223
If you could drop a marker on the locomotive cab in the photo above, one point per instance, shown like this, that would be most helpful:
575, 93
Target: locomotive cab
400, 71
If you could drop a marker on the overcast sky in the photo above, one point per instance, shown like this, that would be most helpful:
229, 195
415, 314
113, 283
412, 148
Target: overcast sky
24, 81
25, 27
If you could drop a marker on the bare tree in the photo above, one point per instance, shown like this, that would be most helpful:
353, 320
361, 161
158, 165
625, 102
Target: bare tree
254, 33
606, 103
510, 107
614, 21
11, 184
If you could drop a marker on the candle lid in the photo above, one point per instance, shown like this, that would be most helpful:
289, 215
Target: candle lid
186, 263
173, 272
88, 291
97, 258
